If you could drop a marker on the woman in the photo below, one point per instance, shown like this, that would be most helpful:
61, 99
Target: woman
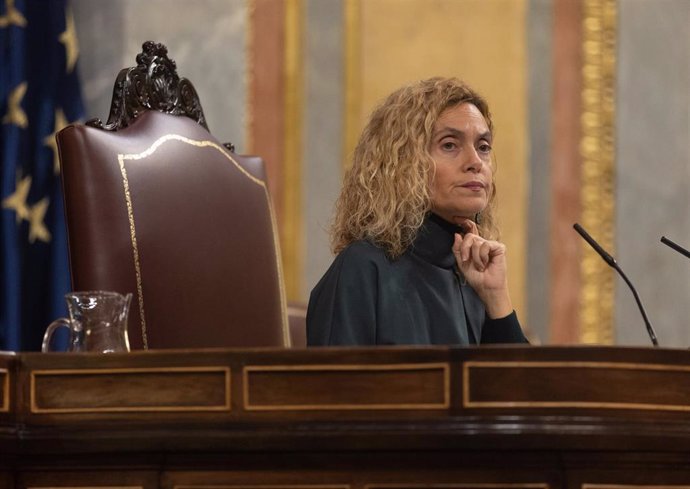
418, 262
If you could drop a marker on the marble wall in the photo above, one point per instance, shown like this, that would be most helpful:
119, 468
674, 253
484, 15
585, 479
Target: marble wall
653, 168
539, 54
323, 141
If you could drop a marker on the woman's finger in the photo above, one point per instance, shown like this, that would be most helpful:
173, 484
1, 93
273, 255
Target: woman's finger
468, 241
469, 226
480, 253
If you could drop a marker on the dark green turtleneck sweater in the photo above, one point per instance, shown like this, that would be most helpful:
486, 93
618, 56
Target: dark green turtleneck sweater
365, 298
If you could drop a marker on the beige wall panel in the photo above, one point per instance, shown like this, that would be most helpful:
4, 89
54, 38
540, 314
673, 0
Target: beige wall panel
482, 42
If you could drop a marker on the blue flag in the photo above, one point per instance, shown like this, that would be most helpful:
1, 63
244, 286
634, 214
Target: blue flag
39, 95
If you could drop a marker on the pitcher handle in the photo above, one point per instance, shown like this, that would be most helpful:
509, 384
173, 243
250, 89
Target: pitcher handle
45, 346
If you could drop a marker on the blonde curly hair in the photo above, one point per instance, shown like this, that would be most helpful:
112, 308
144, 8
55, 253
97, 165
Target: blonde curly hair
386, 195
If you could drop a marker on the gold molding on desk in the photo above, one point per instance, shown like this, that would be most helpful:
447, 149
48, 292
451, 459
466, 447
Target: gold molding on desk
35, 409
261, 486
5, 374
461, 485
443, 367
587, 485
467, 403
85, 487
597, 148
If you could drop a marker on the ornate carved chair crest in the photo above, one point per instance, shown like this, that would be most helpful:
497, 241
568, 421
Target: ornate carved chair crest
157, 207
151, 85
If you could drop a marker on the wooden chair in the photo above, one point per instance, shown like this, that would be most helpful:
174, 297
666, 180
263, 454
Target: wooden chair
156, 206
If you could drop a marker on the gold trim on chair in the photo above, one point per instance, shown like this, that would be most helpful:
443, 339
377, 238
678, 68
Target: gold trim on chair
597, 148
133, 234
287, 339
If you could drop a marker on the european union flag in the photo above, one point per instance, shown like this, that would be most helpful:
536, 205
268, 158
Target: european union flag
39, 94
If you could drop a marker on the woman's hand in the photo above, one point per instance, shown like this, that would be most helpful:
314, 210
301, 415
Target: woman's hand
483, 264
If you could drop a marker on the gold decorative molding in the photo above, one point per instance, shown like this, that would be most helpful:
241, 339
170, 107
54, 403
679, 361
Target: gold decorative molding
301, 370
5, 376
121, 158
353, 77
111, 374
461, 485
85, 487
467, 402
292, 229
597, 148
261, 486
633, 486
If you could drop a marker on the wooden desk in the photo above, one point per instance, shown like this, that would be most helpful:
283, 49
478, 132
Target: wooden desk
410, 418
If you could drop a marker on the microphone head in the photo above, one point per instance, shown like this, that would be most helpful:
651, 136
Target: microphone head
607, 258
675, 246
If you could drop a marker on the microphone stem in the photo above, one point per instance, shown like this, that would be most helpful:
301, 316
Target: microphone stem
675, 246
650, 329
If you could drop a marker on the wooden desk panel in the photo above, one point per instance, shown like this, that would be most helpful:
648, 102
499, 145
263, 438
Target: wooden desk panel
155, 389
7, 365
405, 386
572, 384
441, 418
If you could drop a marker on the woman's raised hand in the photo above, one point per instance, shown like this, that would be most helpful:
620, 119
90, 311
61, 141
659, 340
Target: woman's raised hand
483, 264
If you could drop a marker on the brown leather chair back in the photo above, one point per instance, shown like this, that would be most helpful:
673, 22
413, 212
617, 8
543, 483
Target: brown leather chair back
157, 207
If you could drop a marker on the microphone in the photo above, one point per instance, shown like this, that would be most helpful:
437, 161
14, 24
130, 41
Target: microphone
612, 263
675, 246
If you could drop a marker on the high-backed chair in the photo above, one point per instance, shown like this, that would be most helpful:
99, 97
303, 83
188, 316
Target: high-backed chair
156, 206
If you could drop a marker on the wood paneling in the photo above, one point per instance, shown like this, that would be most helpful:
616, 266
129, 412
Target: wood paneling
4, 390
576, 385
519, 418
130, 390
285, 387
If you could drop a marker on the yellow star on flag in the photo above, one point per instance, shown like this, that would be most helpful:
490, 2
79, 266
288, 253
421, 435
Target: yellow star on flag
15, 114
12, 16
60, 123
69, 39
37, 229
17, 200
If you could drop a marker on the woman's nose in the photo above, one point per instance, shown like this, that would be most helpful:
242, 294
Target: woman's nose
473, 162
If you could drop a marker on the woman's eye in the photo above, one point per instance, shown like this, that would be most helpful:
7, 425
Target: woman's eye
448, 145
485, 148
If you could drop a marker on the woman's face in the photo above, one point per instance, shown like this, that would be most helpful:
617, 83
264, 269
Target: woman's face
461, 149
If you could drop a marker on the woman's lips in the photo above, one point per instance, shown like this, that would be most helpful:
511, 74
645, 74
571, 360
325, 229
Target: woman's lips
476, 186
